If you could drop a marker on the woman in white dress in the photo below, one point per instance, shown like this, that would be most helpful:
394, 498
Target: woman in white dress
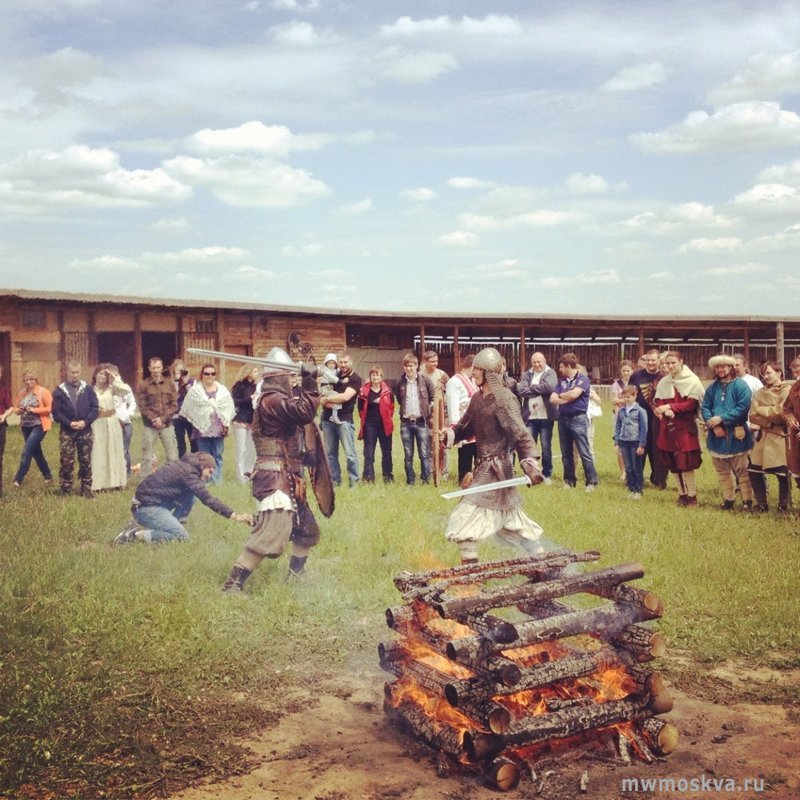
108, 451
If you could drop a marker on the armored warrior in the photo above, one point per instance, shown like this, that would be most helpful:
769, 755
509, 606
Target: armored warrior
277, 482
493, 417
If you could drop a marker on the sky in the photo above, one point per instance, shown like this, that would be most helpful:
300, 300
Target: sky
635, 157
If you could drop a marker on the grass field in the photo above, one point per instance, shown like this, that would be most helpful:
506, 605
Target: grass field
124, 672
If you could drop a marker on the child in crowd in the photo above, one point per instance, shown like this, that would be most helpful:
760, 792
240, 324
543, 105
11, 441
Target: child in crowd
326, 387
630, 438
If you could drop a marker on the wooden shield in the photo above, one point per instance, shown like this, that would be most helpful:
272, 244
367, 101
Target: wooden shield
438, 450
320, 472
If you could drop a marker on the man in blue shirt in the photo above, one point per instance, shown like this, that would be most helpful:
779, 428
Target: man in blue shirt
571, 398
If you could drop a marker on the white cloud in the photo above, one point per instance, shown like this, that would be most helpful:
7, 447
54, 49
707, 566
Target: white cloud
301, 251
254, 137
296, 5
416, 67
782, 240
542, 218
490, 25
460, 239
781, 173
250, 272
174, 225
586, 184
359, 207
253, 5
711, 246
741, 126
80, 177
641, 76
594, 278
295, 34
420, 195
770, 198
470, 183
736, 269
247, 182
663, 275
764, 76
189, 257
685, 215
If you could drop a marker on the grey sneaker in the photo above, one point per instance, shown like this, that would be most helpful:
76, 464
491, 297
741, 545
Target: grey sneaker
127, 534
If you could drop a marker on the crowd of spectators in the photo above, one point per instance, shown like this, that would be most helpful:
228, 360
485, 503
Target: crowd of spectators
661, 413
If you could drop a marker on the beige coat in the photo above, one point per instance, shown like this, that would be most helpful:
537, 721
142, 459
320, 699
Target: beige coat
770, 449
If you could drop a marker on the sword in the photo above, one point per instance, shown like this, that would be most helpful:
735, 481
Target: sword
294, 368
522, 480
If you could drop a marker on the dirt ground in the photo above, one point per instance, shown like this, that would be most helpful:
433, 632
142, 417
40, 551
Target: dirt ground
336, 744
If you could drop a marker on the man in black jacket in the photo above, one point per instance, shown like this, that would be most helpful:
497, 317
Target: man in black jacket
75, 408
164, 499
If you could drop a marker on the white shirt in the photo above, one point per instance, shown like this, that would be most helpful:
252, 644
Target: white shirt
536, 408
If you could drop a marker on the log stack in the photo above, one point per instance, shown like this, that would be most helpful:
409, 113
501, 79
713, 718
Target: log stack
564, 663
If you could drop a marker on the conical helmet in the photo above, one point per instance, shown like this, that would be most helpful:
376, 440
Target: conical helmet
489, 360
278, 362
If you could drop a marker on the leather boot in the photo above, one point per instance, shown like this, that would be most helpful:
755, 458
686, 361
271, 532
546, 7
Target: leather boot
236, 579
297, 565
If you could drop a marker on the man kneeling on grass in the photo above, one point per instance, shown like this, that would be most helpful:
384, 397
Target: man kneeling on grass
164, 499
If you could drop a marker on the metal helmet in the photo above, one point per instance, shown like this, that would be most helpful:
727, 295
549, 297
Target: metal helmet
275, 361
489, 360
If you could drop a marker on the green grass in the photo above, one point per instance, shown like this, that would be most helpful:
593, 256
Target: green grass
124, 672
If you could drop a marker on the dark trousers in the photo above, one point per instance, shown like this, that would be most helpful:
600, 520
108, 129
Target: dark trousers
373, 434
758, 480
658, 469
466, 458
183, 434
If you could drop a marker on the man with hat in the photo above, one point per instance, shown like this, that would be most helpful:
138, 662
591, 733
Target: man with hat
725, 409
493, 417
278, 482
164, 499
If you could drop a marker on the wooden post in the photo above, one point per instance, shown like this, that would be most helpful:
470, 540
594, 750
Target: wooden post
523, 355
456, 352
779, 343
746, 345
421, 343
220, 326
641, 343
137, 346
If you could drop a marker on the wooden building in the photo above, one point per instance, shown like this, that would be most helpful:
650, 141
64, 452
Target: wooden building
43, 330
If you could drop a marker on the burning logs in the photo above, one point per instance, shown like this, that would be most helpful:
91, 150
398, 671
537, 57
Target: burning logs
492, 689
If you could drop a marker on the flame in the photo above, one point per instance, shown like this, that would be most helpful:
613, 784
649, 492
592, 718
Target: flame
440, 712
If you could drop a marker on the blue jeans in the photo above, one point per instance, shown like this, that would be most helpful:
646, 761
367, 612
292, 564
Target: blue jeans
575, 431
213, 445
166, 525
346, 434
183, 434
543, 429
420, 433
32, 449
634, 466
373, 433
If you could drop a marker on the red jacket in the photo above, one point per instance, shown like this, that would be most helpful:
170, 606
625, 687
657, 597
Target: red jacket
385, 406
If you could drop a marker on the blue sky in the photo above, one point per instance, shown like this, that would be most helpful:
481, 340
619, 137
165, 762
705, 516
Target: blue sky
575, 157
